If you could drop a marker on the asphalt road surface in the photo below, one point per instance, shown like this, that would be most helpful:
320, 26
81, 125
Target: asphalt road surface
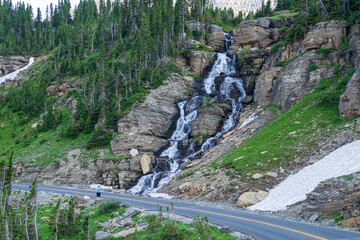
258, 226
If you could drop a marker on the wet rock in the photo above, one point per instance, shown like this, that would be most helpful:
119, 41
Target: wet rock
155, 116
11, 64
199, 60
250, 198
248, 100
206, 124
216, 41
127, 179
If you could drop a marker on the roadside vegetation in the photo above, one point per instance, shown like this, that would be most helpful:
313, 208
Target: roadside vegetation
72, 217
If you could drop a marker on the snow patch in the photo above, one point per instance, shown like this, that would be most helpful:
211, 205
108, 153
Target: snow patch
343, 161
160, 195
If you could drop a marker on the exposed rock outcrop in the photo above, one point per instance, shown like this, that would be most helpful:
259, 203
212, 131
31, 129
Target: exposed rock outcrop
195, 61
349, 105
155, 116
122, 144
216, 41
57, 88
11, 64
332, 196
286, 86
208, 121
325, 35
252, 36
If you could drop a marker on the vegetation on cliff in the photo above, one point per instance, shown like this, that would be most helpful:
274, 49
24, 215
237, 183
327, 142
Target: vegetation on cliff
109, 56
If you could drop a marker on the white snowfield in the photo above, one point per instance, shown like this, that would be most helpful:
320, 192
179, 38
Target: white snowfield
12, 75
343, 161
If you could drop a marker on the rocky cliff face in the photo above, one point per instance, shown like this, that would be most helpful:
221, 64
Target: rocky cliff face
286, 76
349, 106
280, 78
11, 64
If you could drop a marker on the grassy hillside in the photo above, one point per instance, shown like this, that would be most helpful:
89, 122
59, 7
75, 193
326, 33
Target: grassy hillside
294, 133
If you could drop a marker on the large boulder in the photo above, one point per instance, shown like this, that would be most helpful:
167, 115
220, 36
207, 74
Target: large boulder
250, 198
325, 35
252, 36
214, 28
208, 121
199, 60
146, 165
216, 41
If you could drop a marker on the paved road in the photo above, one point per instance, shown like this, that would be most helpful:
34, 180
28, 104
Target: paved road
260, 227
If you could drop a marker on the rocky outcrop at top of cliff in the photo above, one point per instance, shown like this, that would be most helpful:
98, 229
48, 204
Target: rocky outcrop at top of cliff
284, 77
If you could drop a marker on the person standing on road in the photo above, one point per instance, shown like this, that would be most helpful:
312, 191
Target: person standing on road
98, 192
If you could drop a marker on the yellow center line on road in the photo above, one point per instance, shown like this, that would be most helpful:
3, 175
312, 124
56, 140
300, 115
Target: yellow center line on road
196, 210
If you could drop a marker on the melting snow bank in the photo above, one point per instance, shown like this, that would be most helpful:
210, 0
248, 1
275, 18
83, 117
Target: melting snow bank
343, 161
14, 74
160, 195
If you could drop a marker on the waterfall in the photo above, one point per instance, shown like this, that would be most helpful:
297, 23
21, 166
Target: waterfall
171, 159
13, 75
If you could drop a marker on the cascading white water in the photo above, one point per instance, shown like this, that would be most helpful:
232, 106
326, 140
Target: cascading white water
12, 75
188, 112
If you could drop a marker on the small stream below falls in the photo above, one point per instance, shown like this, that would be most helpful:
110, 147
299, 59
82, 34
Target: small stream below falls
231, 89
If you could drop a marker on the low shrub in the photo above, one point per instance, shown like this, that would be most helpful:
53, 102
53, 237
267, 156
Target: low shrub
107, 206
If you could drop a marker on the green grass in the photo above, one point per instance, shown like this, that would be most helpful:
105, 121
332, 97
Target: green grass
274, 145
279, 16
